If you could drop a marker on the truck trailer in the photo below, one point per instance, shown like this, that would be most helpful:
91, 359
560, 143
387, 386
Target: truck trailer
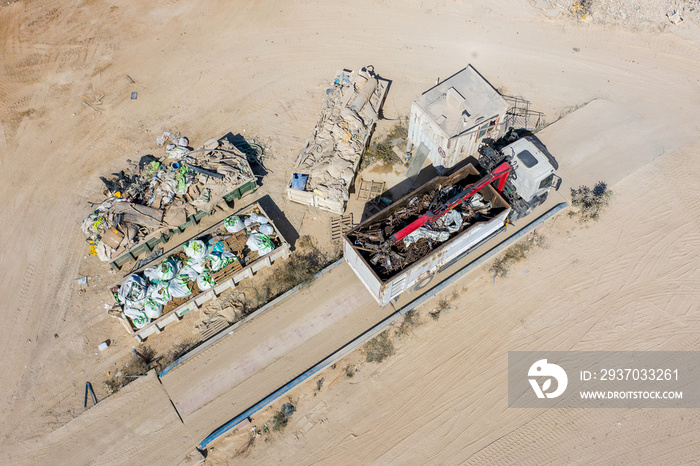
443, 220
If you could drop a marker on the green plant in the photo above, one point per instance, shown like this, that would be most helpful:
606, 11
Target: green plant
590, 202
379, 348
278, 421
383, 150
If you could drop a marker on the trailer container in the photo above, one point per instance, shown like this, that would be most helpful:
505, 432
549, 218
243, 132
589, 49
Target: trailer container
225, 279
384, 289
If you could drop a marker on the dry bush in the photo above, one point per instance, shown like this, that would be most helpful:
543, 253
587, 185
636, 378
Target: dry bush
590, 202
379, 348
515, 253
442, 306
177, 351
410, 320
135, 367
383, 150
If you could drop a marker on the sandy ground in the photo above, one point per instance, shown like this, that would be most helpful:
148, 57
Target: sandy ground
260, 69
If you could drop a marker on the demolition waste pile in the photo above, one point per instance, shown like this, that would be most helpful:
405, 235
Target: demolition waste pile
327, 164
159, 194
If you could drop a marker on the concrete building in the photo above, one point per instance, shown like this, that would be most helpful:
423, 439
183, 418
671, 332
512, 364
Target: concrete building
453, 118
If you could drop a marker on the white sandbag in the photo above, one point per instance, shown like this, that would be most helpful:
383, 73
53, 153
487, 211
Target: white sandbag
168, 269
132, 290
234, 224
137, 316
183, 142
266, 229
192, 269
178, 287
261, 243
159, 293
152, 309
196, 249
221, 259
205, 281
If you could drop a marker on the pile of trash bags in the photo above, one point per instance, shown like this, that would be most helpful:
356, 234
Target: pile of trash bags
143, 295
161, 192
327, 163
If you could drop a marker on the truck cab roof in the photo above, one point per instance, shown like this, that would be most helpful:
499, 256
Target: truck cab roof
532, 165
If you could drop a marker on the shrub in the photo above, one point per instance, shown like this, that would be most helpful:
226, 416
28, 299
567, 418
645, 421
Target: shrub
379, 348
383, 150
590, 202
517, 252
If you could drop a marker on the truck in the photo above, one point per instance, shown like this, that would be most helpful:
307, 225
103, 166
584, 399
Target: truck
448, 217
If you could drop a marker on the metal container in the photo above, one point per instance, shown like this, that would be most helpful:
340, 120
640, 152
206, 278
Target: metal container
386, 289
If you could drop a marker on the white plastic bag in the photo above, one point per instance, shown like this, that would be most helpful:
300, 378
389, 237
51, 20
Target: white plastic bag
178, 287
205, 281
132, 290
261, 243
137, 316
234, 224
169, 268
255, 218
159, 293
266, 229
196, 249
219, 260
152, 309
192, 269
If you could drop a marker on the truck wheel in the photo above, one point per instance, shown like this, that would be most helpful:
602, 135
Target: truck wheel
423, 283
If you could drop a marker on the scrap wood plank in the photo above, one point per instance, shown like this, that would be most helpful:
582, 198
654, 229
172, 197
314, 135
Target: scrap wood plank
370, 189
340, 225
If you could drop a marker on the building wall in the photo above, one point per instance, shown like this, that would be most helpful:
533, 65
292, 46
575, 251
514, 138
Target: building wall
423, 129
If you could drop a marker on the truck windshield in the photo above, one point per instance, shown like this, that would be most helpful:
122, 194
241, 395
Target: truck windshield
527, 158
547, 181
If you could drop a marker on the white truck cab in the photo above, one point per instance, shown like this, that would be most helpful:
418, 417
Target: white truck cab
534, 172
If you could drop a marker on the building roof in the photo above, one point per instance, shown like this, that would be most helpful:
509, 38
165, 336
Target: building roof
460, 102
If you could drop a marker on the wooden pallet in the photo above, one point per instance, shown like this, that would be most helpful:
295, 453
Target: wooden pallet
214, 327
339, 226
370, 189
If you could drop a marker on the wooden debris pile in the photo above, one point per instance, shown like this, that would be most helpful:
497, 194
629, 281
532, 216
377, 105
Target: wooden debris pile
163, 192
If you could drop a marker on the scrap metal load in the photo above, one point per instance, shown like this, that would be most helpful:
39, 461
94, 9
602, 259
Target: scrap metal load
197, 266
161, 193
326, 166
375, 240
425, 230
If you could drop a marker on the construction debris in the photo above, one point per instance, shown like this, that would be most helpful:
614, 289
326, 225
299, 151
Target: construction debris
196, 267
328, 162
388, 259
162, 192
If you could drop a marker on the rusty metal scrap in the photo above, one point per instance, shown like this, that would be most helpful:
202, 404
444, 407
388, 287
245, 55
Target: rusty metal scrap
387, 259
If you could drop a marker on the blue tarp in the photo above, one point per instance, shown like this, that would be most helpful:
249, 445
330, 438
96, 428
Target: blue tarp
299, 181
